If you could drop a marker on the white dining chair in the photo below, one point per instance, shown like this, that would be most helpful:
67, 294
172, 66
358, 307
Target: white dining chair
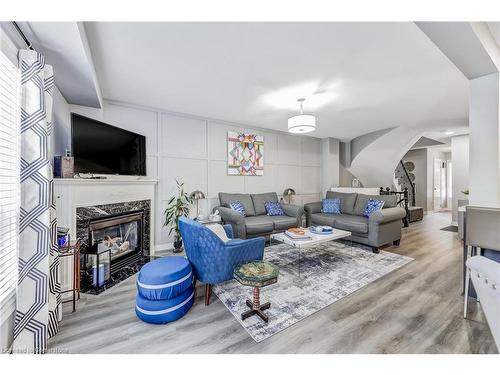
483, 232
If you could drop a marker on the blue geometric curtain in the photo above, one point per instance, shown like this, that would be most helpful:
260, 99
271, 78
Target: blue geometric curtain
38, 299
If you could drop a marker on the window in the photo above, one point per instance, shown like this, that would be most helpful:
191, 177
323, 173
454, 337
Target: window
9, 194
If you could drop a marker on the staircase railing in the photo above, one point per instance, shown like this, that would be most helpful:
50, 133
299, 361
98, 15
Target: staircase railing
409, 182
402, 200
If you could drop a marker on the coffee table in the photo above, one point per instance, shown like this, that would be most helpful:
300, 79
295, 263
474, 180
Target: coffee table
316, 239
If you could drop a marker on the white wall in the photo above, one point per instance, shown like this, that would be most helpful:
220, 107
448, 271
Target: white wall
484, 124
330, 162
459, 171
193, 149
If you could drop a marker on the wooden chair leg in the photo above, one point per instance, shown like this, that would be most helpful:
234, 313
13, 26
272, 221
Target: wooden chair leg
208, 292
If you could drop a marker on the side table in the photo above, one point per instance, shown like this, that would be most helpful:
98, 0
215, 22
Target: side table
257, 274
72, 249
209, 221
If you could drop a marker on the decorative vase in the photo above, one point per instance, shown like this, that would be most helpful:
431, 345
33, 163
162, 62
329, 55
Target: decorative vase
178, 245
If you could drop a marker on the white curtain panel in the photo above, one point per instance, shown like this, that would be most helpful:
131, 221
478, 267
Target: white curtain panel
39, 300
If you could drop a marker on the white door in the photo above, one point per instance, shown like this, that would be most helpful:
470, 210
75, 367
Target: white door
444, 187
448, 184
439, 201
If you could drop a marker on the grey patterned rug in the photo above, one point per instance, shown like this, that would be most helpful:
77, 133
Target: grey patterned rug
329, 272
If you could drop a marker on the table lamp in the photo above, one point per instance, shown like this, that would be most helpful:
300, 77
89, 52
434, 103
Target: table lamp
288, 193
197, 195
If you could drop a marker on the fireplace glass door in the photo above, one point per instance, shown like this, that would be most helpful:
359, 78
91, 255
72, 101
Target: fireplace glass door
119, 235
120, 239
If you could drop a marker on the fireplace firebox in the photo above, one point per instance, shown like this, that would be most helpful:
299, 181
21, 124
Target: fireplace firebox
115, 242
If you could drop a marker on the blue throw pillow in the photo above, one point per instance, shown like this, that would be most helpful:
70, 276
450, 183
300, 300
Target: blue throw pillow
372, 206
330, 206
238, 207
274, 209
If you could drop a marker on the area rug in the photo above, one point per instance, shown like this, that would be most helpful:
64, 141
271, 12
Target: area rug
329, 272
450, 228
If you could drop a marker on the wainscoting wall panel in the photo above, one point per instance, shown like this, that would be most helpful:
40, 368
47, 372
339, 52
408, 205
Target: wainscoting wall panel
193, 149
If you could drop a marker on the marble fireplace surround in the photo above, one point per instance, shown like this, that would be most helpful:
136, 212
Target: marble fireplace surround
86, 213
74, 193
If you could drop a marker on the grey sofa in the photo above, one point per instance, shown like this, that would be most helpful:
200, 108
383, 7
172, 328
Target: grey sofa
256, 222
381, 228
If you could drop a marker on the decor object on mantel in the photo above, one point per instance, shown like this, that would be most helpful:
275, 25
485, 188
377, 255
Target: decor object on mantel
64, 166
301, 123
245, 154
178, 206
196, 196
288, 193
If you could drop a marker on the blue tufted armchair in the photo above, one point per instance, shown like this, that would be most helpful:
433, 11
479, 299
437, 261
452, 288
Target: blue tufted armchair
213, 260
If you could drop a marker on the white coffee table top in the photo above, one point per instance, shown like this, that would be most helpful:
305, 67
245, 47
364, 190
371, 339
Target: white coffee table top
316, 238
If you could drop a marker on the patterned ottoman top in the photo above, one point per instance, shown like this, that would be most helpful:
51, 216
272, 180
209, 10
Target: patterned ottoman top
256, 274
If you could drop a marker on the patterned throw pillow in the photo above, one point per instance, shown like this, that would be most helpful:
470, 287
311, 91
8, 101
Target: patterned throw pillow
372, 206
330, 206
274, 209
238, 207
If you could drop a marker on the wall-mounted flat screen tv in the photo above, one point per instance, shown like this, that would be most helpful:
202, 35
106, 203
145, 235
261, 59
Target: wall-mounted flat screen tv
105, 149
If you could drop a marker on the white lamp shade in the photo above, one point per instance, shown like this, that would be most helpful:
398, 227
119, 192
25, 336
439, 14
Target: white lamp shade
302, 124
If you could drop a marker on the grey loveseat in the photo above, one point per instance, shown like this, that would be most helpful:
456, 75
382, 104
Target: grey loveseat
256, 222
381, 228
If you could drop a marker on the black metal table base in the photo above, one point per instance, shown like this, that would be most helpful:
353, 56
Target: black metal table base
256, 311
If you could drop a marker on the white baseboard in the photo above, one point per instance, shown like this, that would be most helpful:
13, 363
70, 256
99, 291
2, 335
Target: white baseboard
164, 246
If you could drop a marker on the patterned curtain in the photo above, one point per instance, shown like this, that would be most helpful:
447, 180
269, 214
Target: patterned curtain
38, 301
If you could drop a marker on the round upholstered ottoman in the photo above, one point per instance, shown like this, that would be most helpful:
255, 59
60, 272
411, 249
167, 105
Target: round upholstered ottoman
166, 310
165, 278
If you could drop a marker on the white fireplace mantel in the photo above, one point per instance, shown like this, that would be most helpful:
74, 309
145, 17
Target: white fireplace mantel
71, 193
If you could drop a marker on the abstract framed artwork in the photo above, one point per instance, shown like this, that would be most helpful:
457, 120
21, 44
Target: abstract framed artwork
245, 154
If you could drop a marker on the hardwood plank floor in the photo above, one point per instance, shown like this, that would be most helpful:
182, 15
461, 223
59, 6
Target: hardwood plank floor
416, 309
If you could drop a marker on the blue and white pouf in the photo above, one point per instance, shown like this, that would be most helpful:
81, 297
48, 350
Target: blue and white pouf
166, 310
164, 278
165, 290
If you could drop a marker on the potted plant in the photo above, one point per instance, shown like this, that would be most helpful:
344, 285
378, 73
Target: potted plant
178, 206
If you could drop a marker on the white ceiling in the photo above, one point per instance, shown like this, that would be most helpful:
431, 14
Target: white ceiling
356, 77
65, 46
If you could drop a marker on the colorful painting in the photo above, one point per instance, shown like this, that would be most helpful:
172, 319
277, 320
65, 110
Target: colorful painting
245, 154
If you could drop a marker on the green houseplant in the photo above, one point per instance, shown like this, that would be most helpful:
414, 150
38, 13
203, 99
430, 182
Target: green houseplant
178, 206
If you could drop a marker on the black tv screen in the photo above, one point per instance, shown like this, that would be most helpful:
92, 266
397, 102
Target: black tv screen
105, 149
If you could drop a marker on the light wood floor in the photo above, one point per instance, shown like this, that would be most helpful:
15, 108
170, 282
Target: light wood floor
416, 309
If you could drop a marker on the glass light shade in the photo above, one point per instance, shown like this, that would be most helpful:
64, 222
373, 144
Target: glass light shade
302, 124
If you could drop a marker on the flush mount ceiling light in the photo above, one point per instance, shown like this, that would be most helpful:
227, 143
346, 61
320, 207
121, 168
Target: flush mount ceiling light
447, 132
302, 123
